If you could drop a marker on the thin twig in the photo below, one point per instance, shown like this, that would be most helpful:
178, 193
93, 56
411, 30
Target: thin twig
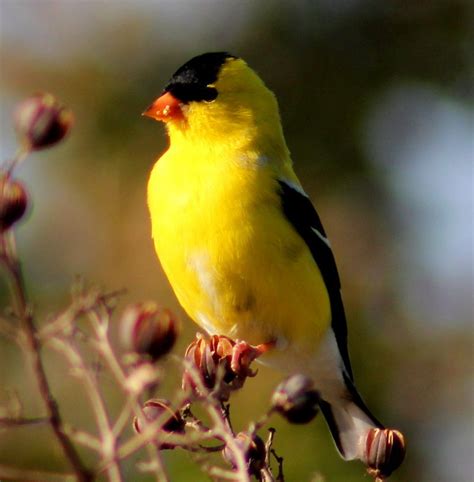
24, 313
84, 438
280, 476
225, 474
108, 441
20, 155
268, 445
124, 418
221, 427
151, 433
254, 427
18, 422
100, 318
82, 303
226, 412
266, 475
192, 421
23, 475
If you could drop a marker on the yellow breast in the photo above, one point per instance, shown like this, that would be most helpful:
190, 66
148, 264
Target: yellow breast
233, 260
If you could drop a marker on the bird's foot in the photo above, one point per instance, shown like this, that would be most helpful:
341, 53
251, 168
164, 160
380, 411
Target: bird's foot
244, 354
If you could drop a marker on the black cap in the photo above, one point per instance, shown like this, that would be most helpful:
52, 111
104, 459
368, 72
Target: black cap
190, 82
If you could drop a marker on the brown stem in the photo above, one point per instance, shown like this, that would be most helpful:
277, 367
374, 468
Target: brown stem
18, 422
24, 313
20, 155
266, 475
280, 476
108, 442
24, 475
226, 415
203, 448
221, 427
100, 318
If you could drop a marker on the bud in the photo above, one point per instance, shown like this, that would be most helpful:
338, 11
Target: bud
41, 121
208, 356
385, 451
155, 408
148, 330
13, 202
214, 357
254, 452
296, 399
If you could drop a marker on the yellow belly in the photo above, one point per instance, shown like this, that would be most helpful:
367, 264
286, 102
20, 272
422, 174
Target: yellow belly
234, 262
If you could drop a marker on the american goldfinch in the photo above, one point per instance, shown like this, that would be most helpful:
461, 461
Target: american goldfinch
239, 239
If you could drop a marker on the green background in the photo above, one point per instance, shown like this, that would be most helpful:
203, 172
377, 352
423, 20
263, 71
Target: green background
376, 102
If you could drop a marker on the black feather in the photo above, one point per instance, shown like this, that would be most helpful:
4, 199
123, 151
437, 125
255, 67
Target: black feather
333, 428
191, 82
303, 217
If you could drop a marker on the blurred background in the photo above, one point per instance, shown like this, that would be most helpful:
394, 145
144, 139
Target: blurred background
377, 105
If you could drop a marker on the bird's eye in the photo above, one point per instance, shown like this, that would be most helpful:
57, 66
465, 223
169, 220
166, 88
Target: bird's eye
192, 92
210, 94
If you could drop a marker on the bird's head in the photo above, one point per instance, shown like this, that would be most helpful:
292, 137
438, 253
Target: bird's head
217, 96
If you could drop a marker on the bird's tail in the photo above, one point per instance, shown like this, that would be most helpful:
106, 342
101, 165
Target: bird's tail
349, 421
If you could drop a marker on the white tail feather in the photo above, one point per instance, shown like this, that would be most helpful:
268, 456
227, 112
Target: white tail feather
349, 427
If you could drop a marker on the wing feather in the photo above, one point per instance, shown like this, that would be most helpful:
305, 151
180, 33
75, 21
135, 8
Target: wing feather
302, 215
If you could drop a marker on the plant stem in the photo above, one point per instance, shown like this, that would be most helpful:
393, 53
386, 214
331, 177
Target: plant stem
18, 422
20, 155
100, 321
9, 258
23, 475
108, 441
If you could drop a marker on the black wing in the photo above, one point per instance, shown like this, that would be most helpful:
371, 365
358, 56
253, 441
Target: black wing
303, 217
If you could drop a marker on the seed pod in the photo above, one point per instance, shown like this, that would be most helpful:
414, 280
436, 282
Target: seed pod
147, 329
385, 451
13, 202
296, 399
41, 121
254, 452
155, 408
213, 359
209, 357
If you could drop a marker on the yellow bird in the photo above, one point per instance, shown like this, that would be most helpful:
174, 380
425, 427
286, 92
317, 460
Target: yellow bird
241, 242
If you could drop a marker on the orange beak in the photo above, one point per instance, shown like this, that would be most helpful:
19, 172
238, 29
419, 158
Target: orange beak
165, 108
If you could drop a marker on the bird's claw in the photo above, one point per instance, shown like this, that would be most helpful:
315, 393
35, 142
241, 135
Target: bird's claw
244, 354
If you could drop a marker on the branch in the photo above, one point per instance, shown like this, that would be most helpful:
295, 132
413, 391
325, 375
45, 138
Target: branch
10, 260
18, 422
100, 318
221, 429
21, 475
108, 444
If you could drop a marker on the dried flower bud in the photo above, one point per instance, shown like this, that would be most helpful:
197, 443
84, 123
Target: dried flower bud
218, 356
385, 451
13, 202
41, 121
148, 330
296, 399
152, 410
254, 452
209, 356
